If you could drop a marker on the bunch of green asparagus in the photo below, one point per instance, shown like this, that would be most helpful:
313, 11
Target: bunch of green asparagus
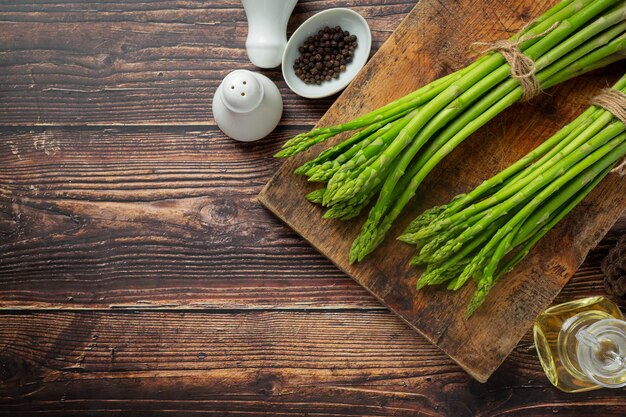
395, 147
485, 233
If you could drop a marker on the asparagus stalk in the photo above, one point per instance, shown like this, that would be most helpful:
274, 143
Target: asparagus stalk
316, 196
555, 174
395, 147
534, 238
591, 167
472, 86
488, 187
586, 136
305, 140
332, 154
302, 141
365, 156
411, 101
559, 174
325, 171
376, 226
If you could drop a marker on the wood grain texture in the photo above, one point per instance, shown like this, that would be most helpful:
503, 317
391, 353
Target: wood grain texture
116, 218
481, 343
189, 298
141, 63
81, 223
260, 364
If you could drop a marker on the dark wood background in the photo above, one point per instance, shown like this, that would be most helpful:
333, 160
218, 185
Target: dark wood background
138, 273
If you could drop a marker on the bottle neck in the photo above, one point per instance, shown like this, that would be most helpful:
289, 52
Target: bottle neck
592, 347
602, 352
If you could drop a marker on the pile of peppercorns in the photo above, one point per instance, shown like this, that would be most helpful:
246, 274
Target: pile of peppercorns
325, 55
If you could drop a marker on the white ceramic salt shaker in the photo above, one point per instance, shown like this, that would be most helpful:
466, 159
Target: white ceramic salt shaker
247, 106
267, 30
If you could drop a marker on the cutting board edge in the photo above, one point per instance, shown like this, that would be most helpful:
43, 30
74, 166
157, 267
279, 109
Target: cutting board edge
481, 375
267, 199
476, 374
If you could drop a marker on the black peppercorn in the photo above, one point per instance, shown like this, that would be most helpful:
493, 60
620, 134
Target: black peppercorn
324, 56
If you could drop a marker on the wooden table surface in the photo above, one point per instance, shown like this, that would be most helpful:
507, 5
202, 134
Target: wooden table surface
138, 273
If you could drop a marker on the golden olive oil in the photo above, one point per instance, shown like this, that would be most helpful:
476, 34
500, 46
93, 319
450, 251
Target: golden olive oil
559, 331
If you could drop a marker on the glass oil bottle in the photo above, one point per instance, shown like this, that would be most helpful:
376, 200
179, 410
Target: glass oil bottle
582, 344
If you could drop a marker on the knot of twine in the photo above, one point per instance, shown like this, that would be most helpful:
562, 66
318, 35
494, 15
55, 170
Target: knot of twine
523, 68
613, 101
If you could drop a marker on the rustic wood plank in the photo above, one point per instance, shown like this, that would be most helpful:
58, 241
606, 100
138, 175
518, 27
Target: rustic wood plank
138, 63
261, 364
121, 217
165, 218
431, 38
154, 218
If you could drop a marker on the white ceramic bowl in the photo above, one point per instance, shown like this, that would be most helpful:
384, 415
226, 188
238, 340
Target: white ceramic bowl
348, 20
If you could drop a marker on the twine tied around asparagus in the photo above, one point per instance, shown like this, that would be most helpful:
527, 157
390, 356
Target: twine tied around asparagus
613, 101
523, 68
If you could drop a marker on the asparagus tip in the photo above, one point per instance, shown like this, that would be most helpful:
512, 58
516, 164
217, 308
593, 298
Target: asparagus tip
407, 238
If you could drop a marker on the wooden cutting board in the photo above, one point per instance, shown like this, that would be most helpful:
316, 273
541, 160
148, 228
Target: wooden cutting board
431, 42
